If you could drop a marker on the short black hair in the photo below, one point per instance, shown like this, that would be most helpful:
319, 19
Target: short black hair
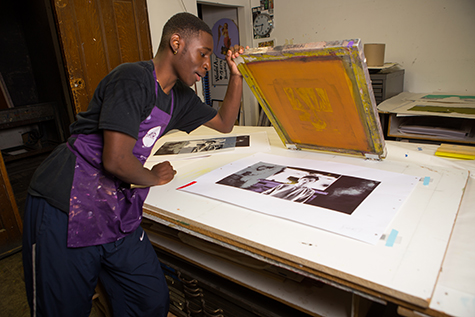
185, 24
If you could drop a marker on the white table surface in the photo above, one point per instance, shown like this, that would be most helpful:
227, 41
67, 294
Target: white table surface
408, 270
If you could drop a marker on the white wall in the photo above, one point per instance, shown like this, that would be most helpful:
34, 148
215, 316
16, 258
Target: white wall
159, 11
431, 39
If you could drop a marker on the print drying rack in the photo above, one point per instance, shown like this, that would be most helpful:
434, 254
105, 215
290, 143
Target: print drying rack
318, 96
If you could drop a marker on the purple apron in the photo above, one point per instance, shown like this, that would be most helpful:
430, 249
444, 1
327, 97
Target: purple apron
101, 209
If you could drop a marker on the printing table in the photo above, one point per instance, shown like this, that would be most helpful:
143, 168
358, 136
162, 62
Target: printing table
427, 269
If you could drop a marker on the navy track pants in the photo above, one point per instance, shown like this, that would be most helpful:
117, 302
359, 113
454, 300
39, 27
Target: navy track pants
60, 281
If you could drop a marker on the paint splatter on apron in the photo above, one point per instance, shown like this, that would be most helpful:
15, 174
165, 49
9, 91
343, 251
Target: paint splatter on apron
102, 208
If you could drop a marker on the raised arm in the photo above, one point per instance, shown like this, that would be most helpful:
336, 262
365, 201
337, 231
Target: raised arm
226, 117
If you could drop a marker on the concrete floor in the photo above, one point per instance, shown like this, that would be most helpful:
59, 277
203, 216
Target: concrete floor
13, 301
12, 288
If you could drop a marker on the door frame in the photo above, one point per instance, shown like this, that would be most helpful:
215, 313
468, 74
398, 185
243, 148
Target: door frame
250, 106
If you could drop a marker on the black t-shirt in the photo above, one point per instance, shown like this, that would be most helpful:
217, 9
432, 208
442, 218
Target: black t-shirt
121, 101
126, 97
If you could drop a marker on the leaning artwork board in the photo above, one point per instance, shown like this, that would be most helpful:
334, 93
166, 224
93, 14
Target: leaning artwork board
318, 96
436, 104
404, 265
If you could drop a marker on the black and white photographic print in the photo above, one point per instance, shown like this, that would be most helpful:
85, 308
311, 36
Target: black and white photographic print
203, 145
181, 146
351, 201
337, 192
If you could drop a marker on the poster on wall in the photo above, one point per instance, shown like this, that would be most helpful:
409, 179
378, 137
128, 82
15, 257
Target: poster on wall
352, 201
225, 35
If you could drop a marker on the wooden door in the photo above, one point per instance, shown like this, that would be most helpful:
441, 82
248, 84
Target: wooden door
98, 35
10, 221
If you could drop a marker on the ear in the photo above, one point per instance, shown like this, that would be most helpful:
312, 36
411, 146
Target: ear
175, 41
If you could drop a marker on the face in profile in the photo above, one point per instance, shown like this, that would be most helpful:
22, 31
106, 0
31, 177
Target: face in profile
195, 58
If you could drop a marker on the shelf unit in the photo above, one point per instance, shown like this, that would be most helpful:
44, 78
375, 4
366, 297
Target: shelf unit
446, 126
41, 123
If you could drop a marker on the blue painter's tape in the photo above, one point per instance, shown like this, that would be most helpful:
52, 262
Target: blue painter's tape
426, 180
392, 238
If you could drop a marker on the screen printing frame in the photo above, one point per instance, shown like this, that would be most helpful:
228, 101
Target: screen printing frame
318, 96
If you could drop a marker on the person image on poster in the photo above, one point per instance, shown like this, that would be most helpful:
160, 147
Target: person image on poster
223, 31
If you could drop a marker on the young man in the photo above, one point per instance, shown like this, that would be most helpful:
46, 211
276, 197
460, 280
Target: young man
82, 219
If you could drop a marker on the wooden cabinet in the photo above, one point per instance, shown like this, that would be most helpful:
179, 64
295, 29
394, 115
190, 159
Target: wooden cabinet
10, 222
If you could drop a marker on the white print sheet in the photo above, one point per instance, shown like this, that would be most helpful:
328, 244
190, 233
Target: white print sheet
349, 200
184, 146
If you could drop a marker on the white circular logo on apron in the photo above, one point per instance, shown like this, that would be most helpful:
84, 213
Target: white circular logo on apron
149, 139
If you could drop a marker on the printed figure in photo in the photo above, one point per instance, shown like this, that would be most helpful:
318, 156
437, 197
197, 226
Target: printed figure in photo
299, 192
209, 145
